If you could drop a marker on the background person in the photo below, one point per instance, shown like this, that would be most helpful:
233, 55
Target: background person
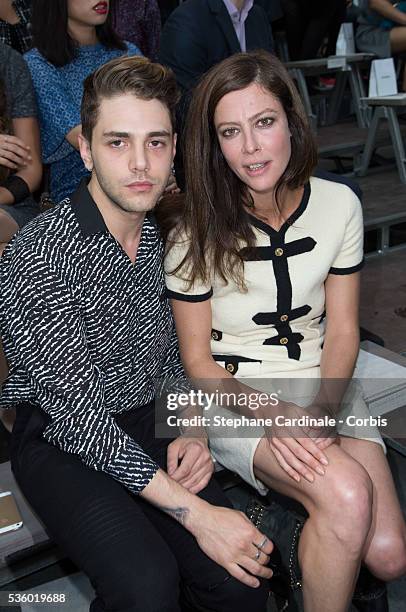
15, 17
309, 23
139, 22
382, 30
20, 154
72, 38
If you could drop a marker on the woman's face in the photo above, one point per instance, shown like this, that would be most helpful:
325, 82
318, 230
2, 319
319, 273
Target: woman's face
254, 136
88, 12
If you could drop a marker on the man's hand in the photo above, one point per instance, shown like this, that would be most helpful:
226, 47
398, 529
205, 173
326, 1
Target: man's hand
232, 541
14, 153
189, 463
225, 535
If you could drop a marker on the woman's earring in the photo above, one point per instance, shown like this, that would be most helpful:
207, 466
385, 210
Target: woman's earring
173, 169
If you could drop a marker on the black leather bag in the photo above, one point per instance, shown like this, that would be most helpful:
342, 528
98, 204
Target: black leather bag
283, 525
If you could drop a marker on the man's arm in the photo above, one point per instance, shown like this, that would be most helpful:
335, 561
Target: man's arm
225, 535
44, 339
184, 49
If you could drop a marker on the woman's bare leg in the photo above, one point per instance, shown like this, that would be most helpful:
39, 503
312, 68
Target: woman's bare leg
8, 227
334, 536
385, 551
397, 37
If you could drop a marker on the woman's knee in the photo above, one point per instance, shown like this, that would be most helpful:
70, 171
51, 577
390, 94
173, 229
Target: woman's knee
387, 555
346, 503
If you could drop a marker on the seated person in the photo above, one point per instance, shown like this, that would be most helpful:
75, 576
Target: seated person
15, 17
382, 30
309, 23
63, 57
139, 22
20, 155
88, 331
263, 269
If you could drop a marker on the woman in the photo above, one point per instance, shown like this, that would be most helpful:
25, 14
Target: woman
20, 155
264, 250
15, 17
382, 30
72, 39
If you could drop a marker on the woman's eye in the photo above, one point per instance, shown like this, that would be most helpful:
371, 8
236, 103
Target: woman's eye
229, 132
266, 121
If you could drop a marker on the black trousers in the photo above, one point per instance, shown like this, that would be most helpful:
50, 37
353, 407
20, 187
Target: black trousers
137, 558
308, 22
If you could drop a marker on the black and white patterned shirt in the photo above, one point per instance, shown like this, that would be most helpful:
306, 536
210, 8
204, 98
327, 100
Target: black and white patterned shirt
86, 333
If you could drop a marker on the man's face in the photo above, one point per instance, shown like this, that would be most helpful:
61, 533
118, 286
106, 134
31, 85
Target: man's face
131, 151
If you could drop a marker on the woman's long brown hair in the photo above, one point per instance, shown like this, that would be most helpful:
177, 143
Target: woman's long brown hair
213, 211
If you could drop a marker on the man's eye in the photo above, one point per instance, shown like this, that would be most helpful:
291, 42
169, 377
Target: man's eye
266, 121
229, 132
156, 144
116, 144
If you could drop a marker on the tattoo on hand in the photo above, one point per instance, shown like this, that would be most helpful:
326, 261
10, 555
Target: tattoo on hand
179, 514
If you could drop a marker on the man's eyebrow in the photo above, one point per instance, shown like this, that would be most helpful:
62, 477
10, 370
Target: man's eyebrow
266, 110
158, 133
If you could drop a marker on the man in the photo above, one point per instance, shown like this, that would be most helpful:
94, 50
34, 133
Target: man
199, 34
86, 330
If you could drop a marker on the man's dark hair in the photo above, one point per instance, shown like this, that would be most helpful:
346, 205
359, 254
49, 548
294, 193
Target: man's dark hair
133, 74
49, 25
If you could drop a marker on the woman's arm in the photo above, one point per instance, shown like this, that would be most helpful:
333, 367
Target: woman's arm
341, 343
387, 10
193, 325
27, 130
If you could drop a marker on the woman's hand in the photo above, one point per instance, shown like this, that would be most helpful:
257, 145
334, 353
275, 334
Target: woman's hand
232, 541
14, 153
190, 463
299, 448
172, 186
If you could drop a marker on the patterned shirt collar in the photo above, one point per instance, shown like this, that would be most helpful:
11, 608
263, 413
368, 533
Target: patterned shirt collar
87, 213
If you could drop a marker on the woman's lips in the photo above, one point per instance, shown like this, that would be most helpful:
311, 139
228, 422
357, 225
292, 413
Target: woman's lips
256, 169
101, 8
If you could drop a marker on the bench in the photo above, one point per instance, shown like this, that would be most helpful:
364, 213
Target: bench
346, 68
29, 548
384, 108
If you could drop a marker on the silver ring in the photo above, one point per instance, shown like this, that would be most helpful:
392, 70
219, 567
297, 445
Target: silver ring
257, 555
263, 543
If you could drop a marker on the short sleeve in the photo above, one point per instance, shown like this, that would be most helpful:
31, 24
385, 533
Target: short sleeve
350, 258
177, 281
20, 92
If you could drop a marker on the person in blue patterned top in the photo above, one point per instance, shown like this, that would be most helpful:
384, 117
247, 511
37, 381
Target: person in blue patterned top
72, 38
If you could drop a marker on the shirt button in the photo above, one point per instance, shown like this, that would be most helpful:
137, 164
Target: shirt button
284, 318
230, 368
278, 252
283, 341
214, 335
